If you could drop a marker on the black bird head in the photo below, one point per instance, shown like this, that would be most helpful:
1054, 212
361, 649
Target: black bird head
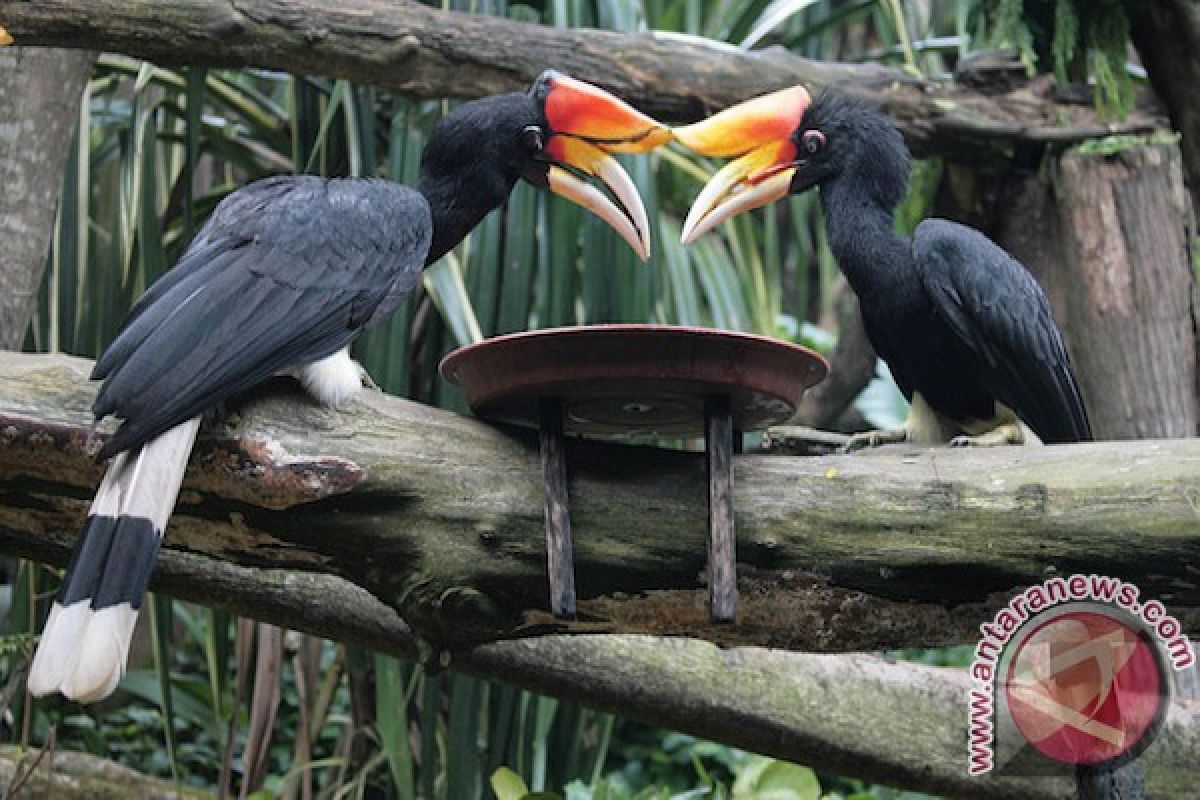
786, 143
556, 136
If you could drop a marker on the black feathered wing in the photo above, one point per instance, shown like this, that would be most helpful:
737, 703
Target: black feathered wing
287, 270
996, 309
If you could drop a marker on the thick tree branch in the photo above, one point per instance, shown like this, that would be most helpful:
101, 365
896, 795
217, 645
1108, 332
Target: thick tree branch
425, 52
440, 515
64, 775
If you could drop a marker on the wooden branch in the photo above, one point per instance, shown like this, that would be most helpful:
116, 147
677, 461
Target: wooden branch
64, 775
41, 88
441, 516
825, 710
425, 52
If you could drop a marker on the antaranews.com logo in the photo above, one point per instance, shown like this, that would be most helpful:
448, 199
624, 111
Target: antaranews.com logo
1077, 669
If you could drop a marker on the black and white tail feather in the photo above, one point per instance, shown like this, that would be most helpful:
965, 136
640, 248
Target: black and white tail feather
85, 643
284, 275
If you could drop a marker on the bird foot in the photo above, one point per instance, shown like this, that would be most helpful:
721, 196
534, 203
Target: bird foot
1009, 433
861, 441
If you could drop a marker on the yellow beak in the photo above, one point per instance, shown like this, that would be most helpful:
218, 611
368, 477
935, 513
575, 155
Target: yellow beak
587, 125
759, 132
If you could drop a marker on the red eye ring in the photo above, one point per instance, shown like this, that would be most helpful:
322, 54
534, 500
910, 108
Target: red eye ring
813, 141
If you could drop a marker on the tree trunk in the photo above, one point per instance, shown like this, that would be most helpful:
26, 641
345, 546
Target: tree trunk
1166, 34
1108, 237
425, 52
39, 98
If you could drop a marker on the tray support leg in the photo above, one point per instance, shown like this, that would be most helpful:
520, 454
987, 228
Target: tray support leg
722, 535
560, 560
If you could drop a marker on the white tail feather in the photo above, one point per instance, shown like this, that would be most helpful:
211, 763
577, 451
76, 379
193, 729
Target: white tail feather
102, 654
83, 650
156, 474
58, 652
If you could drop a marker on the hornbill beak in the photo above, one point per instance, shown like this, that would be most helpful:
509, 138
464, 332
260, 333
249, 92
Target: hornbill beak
585, 125
759, 132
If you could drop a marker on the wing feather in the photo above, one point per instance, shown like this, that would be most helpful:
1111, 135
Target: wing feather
994, 307
287, 271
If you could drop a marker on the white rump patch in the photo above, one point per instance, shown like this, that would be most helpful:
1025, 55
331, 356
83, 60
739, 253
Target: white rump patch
333, 380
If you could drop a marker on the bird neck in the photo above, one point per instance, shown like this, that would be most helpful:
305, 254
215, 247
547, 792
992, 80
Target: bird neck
456, 208
862, 235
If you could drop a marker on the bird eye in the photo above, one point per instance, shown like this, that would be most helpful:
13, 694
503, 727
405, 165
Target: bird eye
531, 139
813, 141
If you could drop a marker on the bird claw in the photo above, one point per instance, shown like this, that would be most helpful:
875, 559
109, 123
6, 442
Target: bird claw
1009, 433
997, 437
225, 413
860, 441
877, 438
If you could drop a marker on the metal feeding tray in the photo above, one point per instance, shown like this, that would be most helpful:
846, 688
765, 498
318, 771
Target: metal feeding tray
627, 380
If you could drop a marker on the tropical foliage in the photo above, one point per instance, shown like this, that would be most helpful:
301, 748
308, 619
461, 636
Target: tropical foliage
219, 702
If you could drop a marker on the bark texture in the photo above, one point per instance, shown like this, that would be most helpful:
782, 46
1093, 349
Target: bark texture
80, 776
1109, 239
399, 527
425, 52
39, 94
441, 517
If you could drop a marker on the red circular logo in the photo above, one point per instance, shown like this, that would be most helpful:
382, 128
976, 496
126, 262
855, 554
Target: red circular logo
1085, 688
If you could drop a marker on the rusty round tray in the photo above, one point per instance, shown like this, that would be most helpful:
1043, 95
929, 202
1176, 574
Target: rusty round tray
634, 379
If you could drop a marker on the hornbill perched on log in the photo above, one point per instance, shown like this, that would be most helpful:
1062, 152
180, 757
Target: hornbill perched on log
964, 327
284, 275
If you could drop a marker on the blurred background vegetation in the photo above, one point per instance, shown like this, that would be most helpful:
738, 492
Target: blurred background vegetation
242, 709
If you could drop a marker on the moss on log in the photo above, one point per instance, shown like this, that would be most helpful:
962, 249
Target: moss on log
402, 488
440, 516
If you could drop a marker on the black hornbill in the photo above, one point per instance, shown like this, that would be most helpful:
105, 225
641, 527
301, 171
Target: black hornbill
284, 275
964, 327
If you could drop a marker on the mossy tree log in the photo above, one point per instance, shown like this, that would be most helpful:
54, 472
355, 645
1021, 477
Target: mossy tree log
312, 519
440, 516
30, 774
426, 52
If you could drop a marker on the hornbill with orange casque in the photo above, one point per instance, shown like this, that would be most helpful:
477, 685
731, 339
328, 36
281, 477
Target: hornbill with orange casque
965, 329
283, 276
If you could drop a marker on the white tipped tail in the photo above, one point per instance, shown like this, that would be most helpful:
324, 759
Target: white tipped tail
85, 642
